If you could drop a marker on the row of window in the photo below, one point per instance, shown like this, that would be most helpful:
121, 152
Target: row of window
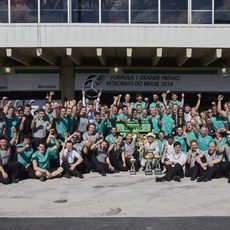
115, 11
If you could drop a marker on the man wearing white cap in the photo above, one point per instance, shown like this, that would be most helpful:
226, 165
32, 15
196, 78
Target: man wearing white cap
149, 147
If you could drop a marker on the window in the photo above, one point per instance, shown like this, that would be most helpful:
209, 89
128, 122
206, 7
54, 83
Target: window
3, 11
114, 11
201, 11
145, 11
174, 11
85, 11
24, 11
222, 12
54, 11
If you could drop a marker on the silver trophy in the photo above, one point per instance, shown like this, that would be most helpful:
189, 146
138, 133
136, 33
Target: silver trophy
157, 165
148, 168
92, 88
132, 169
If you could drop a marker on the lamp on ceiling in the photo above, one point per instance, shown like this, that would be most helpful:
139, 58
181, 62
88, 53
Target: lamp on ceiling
224, 71
7, 69
116, 70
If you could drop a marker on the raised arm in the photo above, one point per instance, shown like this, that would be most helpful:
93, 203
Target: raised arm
3, 102
182, 101
56, 146
164, 96
94, 146
83, 98
16, 103
198, 102
119, 99
14, 139
219, 110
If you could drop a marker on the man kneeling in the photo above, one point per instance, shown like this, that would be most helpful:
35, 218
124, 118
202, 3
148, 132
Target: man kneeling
212, 166
70, 160
174, 165
41, 162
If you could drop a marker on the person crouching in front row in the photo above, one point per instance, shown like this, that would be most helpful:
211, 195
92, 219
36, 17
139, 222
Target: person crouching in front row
174, 164
41, 162
100, 158
71, 160
211, 168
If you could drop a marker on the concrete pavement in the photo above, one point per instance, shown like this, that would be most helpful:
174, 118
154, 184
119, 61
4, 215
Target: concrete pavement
117, 195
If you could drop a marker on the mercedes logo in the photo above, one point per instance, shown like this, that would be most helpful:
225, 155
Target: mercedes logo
92, 88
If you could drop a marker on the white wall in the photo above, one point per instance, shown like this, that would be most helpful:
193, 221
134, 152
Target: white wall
109, 35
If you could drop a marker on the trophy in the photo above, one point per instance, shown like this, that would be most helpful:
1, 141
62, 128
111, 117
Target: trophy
148, 168
157, 165
132, 169
92, 88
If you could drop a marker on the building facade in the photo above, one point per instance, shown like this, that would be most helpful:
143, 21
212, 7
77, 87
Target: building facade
117, 37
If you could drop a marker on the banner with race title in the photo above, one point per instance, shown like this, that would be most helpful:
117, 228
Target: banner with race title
190, 81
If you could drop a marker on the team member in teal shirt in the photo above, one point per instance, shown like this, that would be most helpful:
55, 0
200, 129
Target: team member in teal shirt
161, 141
24, 152
156, 102
41, 162
204, 139
219, 139
11, 121
174, 100
100, 123
123, 117
111, 138
154, 121
139, 102
218, 121
167, 121
113, 115
49, 111
144, 118
181, 138
191, 132
54, 156
62, 123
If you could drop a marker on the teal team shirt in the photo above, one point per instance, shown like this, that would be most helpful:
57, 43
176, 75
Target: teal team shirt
25, 156
161, 145
218, 121
203, 142
191, 135
10, 122
122, 115
153, 105
113, 120
62, 125
144, 119
222, 142
111, 139
167, 123
155, 125
48, 116
42, 160
143, 104
100, 127
171, 103
55, 153
182, 141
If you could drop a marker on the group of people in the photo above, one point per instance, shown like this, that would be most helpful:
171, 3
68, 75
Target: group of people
75, 138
